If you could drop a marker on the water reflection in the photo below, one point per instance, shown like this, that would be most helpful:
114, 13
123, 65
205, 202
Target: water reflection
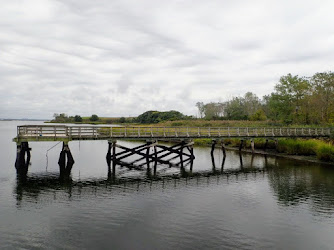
299, 182
292, 182
36, 185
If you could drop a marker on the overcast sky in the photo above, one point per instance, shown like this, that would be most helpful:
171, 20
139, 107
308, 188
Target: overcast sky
124, 57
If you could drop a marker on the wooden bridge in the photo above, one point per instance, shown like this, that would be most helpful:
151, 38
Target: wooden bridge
161, 154
68, 133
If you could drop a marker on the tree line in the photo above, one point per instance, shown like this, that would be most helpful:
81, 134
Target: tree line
64, 118
302, 100
146, 117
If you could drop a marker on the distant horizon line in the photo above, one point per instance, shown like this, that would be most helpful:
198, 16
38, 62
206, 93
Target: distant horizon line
23, 119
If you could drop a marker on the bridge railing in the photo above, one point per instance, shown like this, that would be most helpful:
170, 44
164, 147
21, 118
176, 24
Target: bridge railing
96, 132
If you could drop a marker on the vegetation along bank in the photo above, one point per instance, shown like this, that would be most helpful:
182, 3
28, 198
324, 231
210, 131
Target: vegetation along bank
321, 149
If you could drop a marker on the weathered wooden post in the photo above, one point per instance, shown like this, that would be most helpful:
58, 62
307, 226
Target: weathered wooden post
147, 155
241, 144
62, 161
276, 145
181, 153
252, 146
223, 163
213, 146
213, 163
70, 160
265, 145
114, 158
241, 163
191, 150
155, 160
22, 162
223, 147
108, 158
65, 167
265, 161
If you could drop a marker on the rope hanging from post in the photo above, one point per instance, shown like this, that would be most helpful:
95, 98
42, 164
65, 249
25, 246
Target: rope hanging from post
47, 151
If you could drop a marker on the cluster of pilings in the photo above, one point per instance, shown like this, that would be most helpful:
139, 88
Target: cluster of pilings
161, 154
180, 154
23, 156
241, 145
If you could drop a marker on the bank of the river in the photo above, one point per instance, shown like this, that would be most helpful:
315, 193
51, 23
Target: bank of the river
302, 149
193, 123
270, 152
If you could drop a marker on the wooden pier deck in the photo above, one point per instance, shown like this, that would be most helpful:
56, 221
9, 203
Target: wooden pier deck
68, 133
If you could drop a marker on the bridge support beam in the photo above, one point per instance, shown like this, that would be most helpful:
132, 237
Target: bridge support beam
192, 157
253, 146
213, 161
214, 142
223, 148
241, 145
265, 145
111, 157
276, 145
241, 162
22, 159
65, 161
161, 154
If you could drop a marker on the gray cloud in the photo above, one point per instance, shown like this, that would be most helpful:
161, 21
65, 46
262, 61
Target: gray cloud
123, 57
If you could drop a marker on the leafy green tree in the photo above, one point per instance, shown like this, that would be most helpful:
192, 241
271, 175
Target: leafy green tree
94, 118
251, 103
156, 116
288, 100
213, 110
235, 109
259, 115
62, 117
323, 98
77, 118
201, 109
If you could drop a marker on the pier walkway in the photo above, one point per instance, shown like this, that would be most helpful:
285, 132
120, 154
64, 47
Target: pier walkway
68, 133
180, 154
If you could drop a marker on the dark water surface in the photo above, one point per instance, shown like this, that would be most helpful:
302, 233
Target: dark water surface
261, 203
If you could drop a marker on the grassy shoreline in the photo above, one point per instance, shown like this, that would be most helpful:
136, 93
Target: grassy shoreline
321, 149
195, 123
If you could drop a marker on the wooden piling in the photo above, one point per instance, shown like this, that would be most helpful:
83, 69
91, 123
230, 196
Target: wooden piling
223, 163
276, 145
241, 163
223, 147
114, 157
241, 145
22, 159
213, 146
108, 159
62, 160
181, 154
266, 145
65, 161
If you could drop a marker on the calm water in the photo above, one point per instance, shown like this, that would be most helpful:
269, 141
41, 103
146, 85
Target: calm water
257, 203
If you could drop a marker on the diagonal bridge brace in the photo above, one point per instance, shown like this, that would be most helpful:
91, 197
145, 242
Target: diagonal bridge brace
156, 156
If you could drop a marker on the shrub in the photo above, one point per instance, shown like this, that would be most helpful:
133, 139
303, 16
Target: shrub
77, 118
325, 152
94, 118
298, 147
259, 115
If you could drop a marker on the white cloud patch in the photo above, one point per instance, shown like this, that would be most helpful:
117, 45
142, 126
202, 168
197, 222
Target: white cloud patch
123, 57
